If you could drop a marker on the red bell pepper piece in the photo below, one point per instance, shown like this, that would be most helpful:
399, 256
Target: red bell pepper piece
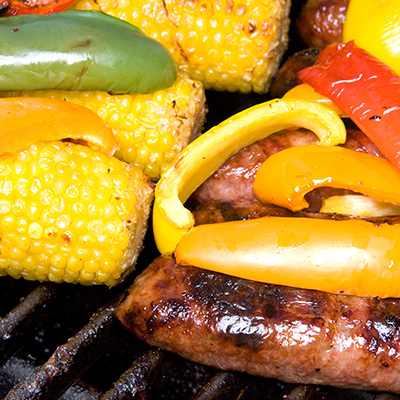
364, 88
18, 7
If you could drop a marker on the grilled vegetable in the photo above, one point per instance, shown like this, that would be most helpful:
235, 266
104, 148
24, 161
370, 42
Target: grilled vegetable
151, 129
287, 176
67, 212
18, 7
358, 206
374, 26
171, 220
364, 88
84, 50
227, 46
28, 120
352, 257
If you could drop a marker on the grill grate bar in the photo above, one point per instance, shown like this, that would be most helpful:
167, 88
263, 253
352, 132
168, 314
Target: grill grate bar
224, 386
314, 392
147, 375
71, 360
19, 366
24, 321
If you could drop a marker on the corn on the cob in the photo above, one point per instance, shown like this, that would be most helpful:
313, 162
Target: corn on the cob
226, 44
151, 129
68, 213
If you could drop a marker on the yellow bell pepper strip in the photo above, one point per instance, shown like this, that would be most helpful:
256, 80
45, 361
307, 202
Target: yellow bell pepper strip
27, 120
307, 92
171, 220
287, 176
352, 257
374, 26
358, 205
364, 88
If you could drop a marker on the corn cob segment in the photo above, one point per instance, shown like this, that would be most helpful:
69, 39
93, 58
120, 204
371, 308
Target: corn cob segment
70, 214
151, 129
226, 44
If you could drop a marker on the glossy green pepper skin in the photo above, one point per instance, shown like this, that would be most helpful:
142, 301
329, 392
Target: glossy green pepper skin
81, 50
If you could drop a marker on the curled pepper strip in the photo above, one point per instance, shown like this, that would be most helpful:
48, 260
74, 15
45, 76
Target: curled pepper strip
171, 220
352, 257
287, 176
27, 120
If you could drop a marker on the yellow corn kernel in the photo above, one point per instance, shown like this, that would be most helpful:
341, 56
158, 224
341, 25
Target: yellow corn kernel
151, 129
49, 240
228, 45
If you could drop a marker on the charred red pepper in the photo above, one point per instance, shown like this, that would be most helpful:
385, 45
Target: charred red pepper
364, 88
20, 7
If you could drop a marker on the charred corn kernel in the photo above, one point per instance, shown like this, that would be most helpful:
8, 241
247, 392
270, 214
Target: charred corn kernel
48, 240
234, 46
150, 129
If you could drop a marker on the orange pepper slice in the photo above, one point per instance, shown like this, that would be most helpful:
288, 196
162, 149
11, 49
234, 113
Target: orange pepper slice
28, 120
287, 176
352, 257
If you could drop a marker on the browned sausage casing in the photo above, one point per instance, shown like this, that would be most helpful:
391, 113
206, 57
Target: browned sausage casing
294, 335
234, 179
320, 22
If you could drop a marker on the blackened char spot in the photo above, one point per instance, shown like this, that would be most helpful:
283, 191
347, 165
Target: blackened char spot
82, 71
277, 293
206, 287
228, 212
81, 43
346, 311
166, 312
129, 317
270, 310
231, 305
393, 321
246, 331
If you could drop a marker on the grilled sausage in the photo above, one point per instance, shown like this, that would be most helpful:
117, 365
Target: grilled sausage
294, 335
234, 179
286, 77
215, 212
320, 22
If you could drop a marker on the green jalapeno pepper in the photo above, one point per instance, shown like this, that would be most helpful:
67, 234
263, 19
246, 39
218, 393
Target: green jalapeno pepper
81, 50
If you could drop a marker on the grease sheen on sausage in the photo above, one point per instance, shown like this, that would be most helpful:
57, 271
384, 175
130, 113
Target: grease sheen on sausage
294, 335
